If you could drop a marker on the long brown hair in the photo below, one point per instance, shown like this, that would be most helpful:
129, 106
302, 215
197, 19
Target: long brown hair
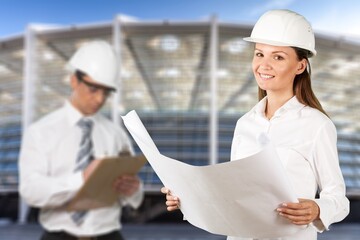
302, 84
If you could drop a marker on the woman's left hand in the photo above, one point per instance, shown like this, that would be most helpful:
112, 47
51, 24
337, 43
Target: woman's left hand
302, 213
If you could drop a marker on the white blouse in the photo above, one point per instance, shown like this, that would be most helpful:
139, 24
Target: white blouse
305, 140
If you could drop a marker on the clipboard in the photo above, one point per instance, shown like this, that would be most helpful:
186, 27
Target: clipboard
98, 190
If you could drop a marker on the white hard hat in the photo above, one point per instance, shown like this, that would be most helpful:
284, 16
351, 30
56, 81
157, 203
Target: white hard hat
97, 59
284, 28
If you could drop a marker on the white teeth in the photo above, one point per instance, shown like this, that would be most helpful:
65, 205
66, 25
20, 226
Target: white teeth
266, 76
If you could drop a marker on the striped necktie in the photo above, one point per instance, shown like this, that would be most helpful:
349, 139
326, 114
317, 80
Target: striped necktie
83, 159
86, 152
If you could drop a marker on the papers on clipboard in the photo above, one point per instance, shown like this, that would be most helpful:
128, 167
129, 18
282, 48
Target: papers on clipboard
97, 191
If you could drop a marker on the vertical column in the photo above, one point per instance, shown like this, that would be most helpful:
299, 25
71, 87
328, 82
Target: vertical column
28, 108
117, 98
213, 126
28, 105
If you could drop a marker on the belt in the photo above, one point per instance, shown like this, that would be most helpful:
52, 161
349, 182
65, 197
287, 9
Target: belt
66, 236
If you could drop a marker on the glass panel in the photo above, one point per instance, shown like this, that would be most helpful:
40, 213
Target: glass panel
11, 96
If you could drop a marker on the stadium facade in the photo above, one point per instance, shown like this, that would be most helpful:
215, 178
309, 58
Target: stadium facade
188, 81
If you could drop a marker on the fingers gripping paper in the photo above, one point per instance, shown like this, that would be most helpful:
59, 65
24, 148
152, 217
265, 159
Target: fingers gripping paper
235, 198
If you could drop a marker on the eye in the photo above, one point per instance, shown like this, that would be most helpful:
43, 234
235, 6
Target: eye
107, 93
278, 57
93, 89
258, 54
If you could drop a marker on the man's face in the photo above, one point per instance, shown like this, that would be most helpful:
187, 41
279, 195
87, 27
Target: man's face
88, 96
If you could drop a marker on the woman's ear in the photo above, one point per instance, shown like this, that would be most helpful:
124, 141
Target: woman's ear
301, 66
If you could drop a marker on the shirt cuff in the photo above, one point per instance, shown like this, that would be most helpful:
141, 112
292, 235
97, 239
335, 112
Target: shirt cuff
318, 225
323, 222
136, 199
75, 181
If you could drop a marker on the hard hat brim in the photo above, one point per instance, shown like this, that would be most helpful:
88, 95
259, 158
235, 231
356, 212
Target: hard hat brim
312, 52
71, 70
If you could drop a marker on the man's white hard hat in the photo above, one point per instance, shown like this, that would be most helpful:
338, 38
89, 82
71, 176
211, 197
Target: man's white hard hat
284, 28
97, 59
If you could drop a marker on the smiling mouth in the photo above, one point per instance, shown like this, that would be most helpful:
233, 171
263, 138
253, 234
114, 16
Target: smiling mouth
265, 76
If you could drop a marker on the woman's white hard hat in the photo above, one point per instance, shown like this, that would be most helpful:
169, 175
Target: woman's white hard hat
97, 59
284, 28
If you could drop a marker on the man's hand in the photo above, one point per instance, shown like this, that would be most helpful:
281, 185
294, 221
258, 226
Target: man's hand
302, 213
126, 185
90, 168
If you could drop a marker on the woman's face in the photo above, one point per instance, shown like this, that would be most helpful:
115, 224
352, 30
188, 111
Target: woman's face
275, 68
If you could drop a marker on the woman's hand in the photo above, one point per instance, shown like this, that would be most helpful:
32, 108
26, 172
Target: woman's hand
172, 202
302, 213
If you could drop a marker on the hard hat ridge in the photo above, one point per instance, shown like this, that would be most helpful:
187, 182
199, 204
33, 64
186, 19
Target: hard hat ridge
284, 28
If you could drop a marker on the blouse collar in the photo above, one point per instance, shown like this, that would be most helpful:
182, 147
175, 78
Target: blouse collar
292, 104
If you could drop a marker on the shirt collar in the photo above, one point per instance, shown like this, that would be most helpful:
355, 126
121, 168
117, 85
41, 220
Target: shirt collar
292, 104
74, 115
260, 107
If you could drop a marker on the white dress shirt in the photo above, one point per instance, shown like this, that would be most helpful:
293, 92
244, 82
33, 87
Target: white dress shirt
47, 177
305, 140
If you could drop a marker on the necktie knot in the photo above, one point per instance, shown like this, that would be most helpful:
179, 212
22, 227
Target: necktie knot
85, 124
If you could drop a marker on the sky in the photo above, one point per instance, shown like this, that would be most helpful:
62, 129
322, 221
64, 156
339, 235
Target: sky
333, 17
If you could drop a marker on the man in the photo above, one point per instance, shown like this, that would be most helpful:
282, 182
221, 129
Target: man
61, 150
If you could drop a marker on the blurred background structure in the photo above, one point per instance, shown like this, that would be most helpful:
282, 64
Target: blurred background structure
188, 81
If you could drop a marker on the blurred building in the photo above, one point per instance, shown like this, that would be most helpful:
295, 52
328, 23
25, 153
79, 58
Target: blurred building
188, 81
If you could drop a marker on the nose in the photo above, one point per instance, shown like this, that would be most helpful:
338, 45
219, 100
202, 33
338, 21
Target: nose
264, 64
100, 96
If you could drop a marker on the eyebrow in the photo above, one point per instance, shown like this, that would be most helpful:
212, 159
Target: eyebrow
276, 52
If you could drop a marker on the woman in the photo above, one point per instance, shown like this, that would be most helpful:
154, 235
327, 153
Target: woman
290, 115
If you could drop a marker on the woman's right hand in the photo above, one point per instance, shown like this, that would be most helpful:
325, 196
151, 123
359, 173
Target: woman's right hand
172, 202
